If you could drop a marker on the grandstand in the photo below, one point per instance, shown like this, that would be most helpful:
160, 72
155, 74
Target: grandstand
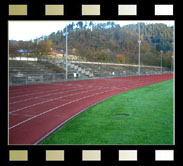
112, 69
52, 69
27, 72
32, 67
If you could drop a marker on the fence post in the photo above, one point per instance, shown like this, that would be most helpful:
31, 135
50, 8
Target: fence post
11, 79
26, 80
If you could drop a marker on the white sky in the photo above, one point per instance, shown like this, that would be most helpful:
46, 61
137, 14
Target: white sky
28, 30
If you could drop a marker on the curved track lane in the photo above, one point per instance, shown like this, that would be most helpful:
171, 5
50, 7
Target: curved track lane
37, 110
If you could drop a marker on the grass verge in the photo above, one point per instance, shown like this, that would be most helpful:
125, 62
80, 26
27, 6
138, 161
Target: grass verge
139, 116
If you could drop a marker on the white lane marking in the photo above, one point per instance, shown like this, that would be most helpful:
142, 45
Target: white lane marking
57, 108
52, 90
21, 115
52, 85
46, 86
35, 93
44, 96
28, 89
61, 106
60, 85
51, 100
63, 97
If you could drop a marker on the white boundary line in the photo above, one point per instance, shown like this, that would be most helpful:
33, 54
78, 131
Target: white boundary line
19, 101
72, 102
52, 90
61, 124
20, 109
41, 87
66, 96
57, 108
101, 100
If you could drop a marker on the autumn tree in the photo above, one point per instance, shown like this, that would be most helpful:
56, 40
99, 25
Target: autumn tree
109, 42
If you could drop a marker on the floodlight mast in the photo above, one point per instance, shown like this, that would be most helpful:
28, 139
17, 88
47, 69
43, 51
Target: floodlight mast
161, 61
66, 65
139, 41
173, 47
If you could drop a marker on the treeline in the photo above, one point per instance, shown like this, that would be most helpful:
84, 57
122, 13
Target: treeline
111, 43
37, 47
158, 35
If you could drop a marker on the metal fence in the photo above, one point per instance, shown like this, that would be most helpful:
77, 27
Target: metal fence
85, 70
25, 79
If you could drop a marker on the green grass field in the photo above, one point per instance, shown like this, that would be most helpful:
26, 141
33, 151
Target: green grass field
149, 119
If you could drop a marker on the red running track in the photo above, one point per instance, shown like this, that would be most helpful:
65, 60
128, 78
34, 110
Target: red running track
37, 110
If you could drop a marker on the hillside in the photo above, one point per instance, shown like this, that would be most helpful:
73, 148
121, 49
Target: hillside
110, 42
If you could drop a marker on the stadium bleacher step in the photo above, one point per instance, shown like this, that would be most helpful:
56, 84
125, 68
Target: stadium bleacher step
24, 72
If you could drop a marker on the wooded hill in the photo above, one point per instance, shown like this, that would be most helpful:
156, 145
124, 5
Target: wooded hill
111, 43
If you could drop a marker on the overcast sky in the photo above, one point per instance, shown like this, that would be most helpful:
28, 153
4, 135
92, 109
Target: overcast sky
28, 30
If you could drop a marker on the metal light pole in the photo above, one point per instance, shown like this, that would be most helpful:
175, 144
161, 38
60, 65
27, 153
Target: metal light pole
173, 48
139, 41
66, 66
172, 64
172, 56
161, 61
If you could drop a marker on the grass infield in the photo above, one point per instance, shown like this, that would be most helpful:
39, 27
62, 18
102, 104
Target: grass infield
139, 116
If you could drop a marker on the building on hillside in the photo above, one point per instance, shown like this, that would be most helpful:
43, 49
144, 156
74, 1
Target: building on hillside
25, 51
